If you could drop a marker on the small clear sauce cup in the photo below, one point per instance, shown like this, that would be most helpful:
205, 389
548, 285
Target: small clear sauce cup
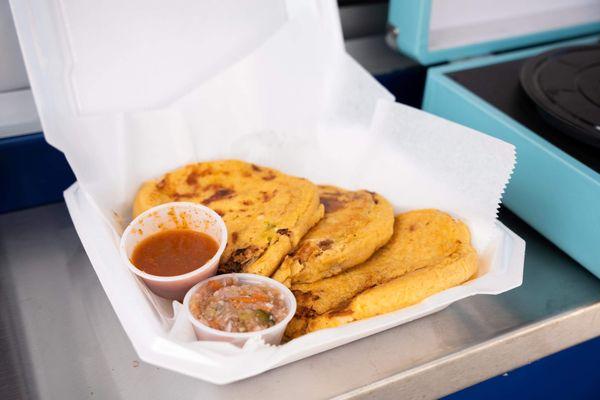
169, 216
271, 335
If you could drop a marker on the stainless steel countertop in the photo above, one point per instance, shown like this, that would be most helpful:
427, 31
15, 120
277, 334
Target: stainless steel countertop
62, 340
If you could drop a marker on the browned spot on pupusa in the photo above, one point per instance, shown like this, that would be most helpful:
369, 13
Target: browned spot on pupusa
179, 196
267, 196
412, 228
161, 184
256, 168
220, 212
247, 202
332, 203
206, 171
213, 186
341, 313
305, 312
269, 177
219, 195
325, 244
304, 297
373, 196
341, 309
239, 259
234, 237
304, 252
192, 178
284, 231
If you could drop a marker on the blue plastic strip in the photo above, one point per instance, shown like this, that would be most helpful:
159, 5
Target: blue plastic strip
570, 374
32, 172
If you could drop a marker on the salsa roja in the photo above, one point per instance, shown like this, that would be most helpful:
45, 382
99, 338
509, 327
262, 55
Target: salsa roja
174, 252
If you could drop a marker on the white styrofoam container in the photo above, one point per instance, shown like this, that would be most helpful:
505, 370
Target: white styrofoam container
500, 270
129, 90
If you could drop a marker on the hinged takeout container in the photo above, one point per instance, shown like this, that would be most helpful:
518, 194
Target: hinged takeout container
131, 90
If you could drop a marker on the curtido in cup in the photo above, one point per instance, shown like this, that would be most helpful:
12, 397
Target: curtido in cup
170, 216
271, 335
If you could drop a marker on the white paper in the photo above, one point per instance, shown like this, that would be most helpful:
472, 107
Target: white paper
292, 100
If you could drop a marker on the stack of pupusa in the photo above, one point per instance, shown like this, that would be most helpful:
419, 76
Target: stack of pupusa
343, 253
428, 252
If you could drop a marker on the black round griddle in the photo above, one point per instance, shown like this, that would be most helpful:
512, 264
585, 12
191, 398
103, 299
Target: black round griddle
565, 86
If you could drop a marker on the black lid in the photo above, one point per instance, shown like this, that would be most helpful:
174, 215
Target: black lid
565, 85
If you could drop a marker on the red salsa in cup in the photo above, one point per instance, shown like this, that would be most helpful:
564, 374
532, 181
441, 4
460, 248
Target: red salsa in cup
174, 252
233, 306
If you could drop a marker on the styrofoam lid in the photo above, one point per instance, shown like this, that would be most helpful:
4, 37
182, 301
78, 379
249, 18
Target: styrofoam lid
457, 23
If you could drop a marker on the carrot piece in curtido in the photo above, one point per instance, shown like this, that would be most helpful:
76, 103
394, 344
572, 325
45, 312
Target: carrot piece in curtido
260, 297
254, 299
214, 285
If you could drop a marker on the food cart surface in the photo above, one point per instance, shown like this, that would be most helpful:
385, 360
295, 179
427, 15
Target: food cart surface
62, 338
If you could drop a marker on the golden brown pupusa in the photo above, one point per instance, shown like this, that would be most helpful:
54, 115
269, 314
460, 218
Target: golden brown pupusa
266, 212
355, 225
428, 252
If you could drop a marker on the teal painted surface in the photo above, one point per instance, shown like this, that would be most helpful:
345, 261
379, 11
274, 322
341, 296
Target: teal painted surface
411, 18
554, 193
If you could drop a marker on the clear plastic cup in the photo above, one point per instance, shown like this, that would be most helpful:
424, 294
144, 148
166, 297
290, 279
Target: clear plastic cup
168, 216
272, 335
